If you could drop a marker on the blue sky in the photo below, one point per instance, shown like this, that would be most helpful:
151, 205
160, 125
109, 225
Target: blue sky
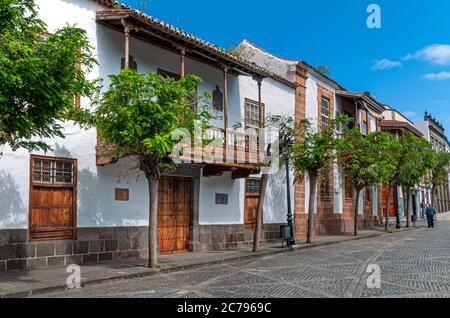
405, 64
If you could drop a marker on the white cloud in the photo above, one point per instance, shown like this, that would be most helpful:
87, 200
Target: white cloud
408, 57
385, 64
438, 54
442, 76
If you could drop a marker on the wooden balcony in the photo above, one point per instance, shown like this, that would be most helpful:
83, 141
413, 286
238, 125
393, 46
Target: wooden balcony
221, 151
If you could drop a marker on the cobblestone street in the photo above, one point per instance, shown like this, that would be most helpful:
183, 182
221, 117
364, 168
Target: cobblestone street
413, 264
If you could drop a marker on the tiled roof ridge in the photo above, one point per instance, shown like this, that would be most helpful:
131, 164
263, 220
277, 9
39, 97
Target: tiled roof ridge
296, 61
111, 5
269, 53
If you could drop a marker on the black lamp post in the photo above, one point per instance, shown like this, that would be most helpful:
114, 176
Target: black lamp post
290, 219
398, 224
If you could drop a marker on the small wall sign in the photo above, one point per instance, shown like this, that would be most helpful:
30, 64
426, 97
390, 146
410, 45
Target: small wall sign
221, 198
122, 194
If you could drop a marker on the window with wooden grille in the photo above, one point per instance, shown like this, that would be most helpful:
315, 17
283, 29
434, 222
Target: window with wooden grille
325, 112
52, 171
253, 114
252, 186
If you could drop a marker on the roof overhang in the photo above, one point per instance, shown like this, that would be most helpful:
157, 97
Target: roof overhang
173, 39
400, 125
366, 98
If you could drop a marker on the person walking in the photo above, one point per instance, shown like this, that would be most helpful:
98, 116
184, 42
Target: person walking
431, 213
422, 209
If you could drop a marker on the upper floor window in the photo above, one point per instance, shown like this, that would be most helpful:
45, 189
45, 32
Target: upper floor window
325, 112
254, 113
364, 127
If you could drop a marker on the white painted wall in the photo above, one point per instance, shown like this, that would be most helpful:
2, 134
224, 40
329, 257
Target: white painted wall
338, 179
374, 201
423, 128
212, 213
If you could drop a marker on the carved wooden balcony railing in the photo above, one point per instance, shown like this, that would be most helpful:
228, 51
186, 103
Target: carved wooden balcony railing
225, 148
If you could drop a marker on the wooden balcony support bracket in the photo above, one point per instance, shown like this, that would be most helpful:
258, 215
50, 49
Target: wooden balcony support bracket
126, 30
261, 115
182, 62
225, 98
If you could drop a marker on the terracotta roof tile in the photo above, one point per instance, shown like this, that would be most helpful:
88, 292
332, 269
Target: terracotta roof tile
170, 29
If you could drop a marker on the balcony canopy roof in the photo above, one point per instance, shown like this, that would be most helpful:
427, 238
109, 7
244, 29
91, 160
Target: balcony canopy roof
400, 125
364, 97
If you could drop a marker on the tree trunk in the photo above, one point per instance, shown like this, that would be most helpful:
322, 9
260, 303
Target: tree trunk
388, 206
355, 224
312, 197
408, 200
260, 212
433, 198
153, 184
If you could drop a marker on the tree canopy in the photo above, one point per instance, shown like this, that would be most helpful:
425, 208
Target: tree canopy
417, 162
139, 113
362, 158
438, 172
40, 75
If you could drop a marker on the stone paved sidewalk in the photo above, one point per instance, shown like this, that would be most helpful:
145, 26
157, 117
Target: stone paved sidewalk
38, 281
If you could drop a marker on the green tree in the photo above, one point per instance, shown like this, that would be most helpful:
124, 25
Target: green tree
395, 155
40, 75
313, 151
362, 162
438, 173
416, 164
138, 115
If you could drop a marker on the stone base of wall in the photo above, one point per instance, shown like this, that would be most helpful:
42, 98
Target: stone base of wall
222, 237
93, 245
333, 226
113, 243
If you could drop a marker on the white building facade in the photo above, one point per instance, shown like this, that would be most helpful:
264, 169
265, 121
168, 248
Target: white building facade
99, 211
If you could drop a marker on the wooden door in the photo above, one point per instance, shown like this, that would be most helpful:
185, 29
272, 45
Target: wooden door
391, 202
52, 198
174, 206
252, 187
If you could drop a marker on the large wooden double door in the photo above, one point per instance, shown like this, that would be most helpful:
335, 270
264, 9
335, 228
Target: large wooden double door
174, 206
391, 201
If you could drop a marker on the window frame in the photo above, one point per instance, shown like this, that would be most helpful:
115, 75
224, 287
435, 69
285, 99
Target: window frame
322, 115
53, 171
262, 116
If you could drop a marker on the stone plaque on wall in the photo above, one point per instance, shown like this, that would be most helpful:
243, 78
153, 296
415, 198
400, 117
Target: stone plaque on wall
217, 99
